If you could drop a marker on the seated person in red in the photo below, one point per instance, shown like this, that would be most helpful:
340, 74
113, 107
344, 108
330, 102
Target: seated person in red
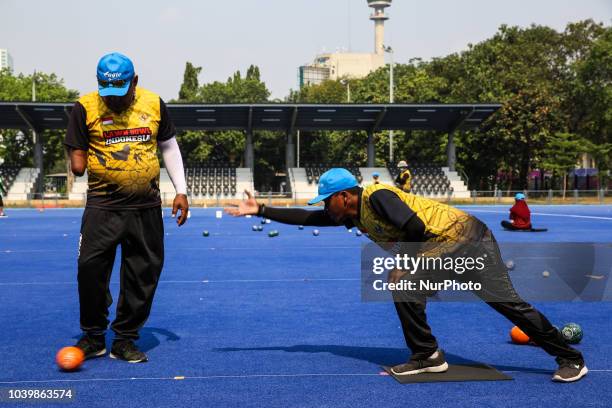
520, 216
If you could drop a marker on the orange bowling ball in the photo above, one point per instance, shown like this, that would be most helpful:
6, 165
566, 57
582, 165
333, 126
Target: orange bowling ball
518, 336
69, 358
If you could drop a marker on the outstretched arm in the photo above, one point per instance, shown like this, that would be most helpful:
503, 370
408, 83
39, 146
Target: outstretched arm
293, 216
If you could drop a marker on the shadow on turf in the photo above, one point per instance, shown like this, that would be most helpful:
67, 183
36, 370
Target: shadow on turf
379, 356
149, 337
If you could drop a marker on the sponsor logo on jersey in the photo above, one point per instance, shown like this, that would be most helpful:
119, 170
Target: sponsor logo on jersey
136, 135
107, 121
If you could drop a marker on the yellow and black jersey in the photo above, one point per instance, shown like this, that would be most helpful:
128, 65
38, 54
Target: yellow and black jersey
122, 164
385, 210
403, 180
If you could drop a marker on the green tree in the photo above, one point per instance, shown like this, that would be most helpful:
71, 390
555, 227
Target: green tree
237, 89
561, 154
326, 92
202, 146
589, 93
229, 145
530, 72
523, 129
17, 147
190, 85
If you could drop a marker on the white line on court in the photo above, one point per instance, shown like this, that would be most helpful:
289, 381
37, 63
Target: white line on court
36, 283
537, 257
10, 251
548, 214
267, 248
551, 371
71, 249
273, 280
221, 377
194, 281
200, 377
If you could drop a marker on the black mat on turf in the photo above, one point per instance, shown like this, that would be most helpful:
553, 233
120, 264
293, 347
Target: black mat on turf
456, 372
527, 230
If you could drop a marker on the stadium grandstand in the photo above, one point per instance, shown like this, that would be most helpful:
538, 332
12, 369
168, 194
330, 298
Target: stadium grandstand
220, 180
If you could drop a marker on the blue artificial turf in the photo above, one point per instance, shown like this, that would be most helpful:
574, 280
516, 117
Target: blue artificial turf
253, 321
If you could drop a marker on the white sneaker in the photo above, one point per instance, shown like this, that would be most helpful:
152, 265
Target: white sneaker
570, 371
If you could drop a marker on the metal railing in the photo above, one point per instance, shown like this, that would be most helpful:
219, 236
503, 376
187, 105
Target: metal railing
297, 198
544, 196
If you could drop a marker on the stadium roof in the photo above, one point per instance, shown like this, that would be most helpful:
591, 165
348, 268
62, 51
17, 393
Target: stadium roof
280, 117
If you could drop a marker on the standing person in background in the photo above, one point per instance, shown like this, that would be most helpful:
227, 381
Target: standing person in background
404, 177
375, 177
114, 134
520, 216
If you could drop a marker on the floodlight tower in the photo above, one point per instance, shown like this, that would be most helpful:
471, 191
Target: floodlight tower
379, 17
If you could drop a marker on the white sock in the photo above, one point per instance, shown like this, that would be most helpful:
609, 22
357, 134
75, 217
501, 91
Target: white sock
433, 356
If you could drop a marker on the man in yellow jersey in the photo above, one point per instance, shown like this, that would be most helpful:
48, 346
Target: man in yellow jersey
388, 215
114, 134
403, 179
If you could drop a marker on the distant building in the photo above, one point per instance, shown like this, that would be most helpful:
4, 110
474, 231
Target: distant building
6, 61
339, 65
348, 64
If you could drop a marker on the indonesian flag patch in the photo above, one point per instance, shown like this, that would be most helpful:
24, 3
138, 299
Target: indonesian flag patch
107, 121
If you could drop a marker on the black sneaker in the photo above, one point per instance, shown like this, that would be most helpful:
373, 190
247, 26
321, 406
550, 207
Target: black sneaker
570, 371
126, 350
431, 364
92, 346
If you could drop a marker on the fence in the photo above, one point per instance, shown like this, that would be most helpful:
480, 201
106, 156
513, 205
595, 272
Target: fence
544, 196
51, 200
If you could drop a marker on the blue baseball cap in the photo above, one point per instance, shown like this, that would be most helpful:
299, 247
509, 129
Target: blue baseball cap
114, 67
376, 174
333, 181
519, 196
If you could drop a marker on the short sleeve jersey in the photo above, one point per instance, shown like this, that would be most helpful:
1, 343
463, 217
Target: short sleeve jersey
122, 163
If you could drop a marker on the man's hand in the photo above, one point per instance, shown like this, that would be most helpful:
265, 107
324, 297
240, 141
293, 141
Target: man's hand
245, 207
180, 202
395, 276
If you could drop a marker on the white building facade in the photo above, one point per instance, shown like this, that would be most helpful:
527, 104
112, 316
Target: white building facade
334, 66
6, 61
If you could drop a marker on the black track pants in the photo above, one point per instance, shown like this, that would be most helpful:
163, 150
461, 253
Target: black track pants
141, 236
421, 341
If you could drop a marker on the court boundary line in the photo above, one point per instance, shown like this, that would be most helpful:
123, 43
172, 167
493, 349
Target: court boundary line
200, 377
195, 281
11, 251
235, 376
550, 215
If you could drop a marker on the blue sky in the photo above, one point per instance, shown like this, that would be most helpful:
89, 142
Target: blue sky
68, 36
